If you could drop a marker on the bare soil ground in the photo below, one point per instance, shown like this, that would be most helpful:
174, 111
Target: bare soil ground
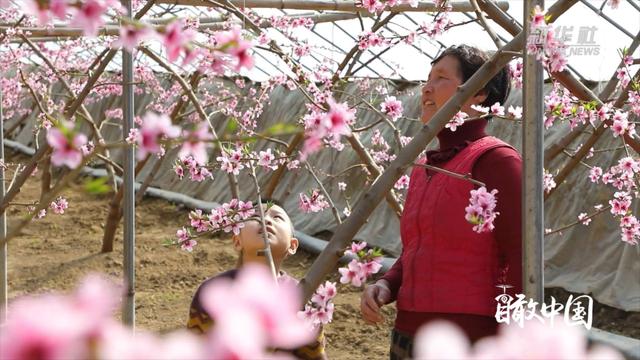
55, 252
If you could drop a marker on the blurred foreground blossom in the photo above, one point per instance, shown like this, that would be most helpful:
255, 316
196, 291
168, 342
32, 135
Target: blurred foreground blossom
253, 314
534, 340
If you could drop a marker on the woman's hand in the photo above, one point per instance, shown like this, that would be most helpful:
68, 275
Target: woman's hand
373, 298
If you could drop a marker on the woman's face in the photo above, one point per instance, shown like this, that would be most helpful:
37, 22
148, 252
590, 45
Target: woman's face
444, 79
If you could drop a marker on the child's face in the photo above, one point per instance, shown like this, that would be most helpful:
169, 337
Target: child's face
279, 232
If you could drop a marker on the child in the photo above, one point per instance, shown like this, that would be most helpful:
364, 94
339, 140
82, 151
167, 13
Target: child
249, 243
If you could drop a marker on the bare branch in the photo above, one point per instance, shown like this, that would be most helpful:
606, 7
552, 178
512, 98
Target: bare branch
466, 177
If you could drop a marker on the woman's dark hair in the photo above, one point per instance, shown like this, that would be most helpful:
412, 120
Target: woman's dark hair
471, 59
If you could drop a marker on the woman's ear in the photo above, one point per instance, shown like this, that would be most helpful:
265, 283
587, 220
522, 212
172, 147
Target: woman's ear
293, 246
236, 243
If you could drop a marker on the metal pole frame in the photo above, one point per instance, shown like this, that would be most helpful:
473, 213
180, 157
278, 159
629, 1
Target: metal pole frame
533, 162
3, 228
129, 239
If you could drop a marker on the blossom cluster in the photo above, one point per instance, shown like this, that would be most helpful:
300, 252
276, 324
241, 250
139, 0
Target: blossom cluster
402, 183
584, 219
445, 340
457, 120
516, 69
364, 264
229, 217
380, 149
81, 326
197, 173
334, 123
548, 181
629, 226
267, 160
369, 39
185, 239
67, 145
634, 101
437, 26
196, 143
560, 104
544, 44
154, 129
319, 309
287, 23
629, 229
481, 209
373, 6
231, 50
58, 206
622, 177
315, 202
622, 125
231, 161
392, 107
87, 15
228, 49
515, 113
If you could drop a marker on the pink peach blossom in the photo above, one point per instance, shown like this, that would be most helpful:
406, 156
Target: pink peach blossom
176, 39
131, 36
154, 128
245, 323
66, 146
89, 16
392, 107
196, 143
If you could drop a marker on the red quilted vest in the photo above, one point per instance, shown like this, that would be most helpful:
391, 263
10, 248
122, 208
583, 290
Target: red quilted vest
446, 266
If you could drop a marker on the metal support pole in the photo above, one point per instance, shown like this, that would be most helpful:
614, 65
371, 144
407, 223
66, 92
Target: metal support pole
533, 162
3, 228
128, 312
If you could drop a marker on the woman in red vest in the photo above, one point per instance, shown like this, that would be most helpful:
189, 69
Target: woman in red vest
446, 270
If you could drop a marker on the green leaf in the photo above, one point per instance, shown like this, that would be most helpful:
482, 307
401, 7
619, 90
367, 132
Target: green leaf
377, 252
591, 105
232, 126
281, 128
168, 242
97, 186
